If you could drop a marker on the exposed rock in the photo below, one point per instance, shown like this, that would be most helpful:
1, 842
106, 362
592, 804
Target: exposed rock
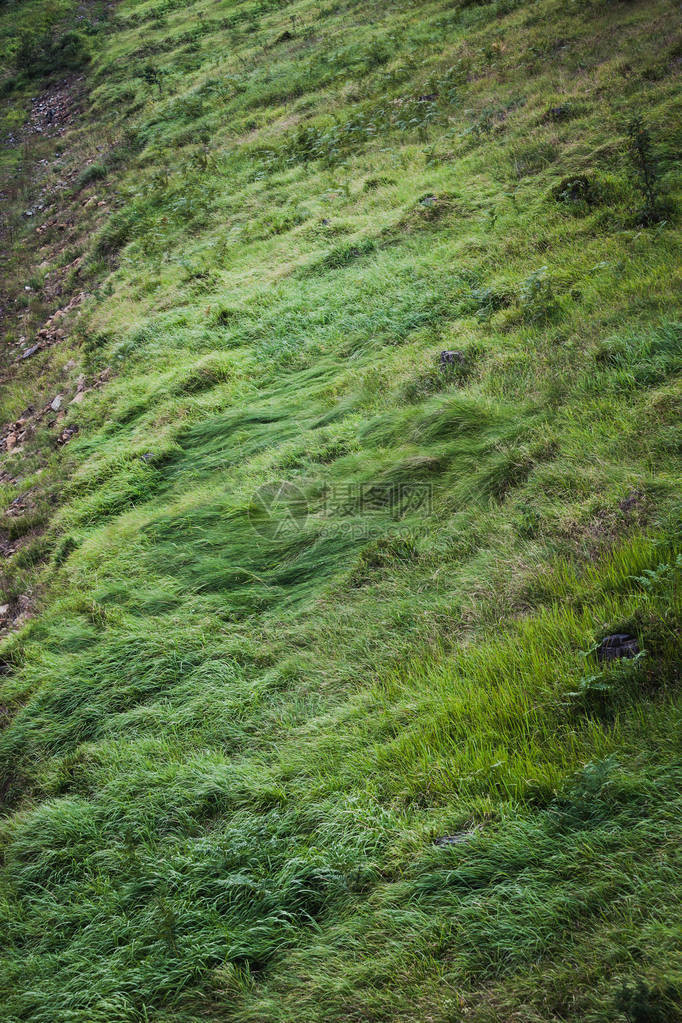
562, 112
631, 502
612, 648
66, 435
451, 358
21, 504
14, 433
50, 334
82, 389
53, 110
458, 838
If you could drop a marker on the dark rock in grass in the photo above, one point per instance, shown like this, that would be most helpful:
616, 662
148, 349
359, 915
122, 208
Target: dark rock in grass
459, 838
66, 435
451, 358
30, 351
631, 502
563, 112
612, 648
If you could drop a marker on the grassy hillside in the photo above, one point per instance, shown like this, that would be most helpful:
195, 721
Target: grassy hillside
368, 433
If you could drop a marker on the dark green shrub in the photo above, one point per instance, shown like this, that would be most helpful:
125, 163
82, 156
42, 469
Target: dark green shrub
46, 54
95, 172
69, 53
33, 553
210, 371
646, 174
344, 255
641, 1003
117, 233
576, 188
561, 113
65, 546
372, 184
8, 85
153, 76
537, 298
486, 301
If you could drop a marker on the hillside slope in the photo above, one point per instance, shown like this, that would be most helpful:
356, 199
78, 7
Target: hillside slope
355, 433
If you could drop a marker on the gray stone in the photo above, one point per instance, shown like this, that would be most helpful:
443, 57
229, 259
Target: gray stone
612, 648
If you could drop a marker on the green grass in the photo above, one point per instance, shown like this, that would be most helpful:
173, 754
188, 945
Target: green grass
231, 743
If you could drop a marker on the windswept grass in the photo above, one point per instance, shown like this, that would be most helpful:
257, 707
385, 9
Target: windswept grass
311, 723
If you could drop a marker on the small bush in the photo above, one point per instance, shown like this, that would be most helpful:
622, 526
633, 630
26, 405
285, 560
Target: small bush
8, 85
642, 1003
537, 298
65, 546
44, 54
95, 172
438, 377
372, 184
210, 371
576, 188
486, 301
561, 113
33, 553
646, 174
344, 255
117, 233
